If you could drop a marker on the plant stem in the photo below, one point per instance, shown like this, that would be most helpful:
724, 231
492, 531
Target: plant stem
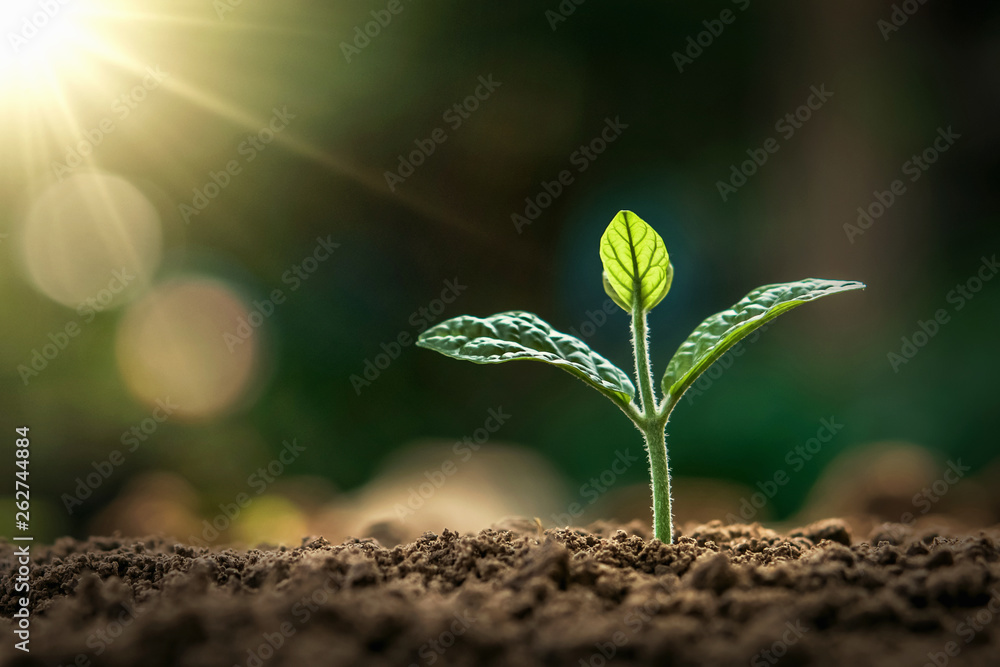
656, 446
653, 425
643, 373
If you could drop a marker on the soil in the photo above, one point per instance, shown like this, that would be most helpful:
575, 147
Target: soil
516, 595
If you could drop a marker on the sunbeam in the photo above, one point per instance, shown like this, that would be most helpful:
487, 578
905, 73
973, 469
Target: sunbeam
63, 59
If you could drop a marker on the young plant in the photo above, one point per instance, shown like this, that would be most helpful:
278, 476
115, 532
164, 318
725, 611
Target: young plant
637, 275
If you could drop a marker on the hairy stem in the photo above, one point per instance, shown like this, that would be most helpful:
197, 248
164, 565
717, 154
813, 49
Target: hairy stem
656, 446
643, 373
652, 424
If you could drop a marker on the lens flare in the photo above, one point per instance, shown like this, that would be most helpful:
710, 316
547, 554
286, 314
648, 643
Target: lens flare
93, 238
171, 344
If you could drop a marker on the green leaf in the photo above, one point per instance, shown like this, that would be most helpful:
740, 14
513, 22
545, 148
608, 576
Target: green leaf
520, 335
721, 331
610, 291
637, 268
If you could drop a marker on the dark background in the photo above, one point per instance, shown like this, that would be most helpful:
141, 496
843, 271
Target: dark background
323, 176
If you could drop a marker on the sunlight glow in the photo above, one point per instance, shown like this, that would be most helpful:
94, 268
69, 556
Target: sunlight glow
63, 63
39, 36
171, 344
91, 239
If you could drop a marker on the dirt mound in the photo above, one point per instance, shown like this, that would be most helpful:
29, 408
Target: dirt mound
723, 595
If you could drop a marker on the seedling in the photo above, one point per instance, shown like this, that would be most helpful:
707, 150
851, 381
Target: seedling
637, 275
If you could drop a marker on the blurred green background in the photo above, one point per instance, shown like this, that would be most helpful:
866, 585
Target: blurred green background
205, 149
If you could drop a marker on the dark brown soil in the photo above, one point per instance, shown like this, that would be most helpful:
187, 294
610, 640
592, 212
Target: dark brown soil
723, 595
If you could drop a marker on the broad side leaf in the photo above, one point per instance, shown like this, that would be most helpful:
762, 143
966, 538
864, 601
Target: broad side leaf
721, 331
521, 335
636, 265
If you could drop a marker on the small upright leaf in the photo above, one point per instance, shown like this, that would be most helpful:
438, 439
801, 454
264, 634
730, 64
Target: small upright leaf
721, 331
521, 335
637, 268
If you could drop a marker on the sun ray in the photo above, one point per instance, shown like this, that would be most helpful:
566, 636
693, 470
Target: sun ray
96, 44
